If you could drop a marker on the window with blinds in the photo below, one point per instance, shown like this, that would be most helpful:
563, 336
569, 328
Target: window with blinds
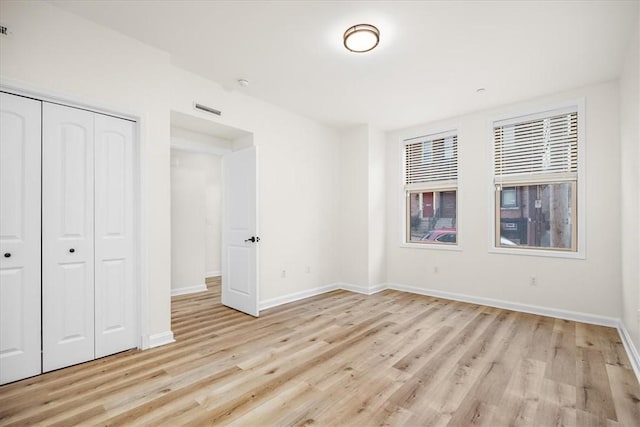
430, 182
535, 161
431, 160
545, 147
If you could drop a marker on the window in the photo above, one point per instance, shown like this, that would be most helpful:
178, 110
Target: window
430, 184
509, 197
536, 180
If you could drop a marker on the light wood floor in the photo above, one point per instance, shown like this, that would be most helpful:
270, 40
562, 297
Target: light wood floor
346, 359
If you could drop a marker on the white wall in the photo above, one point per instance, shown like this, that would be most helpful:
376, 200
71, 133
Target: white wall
188, 220
630, 184
354, 206
362, 207
206, 151
377, 208
588, 286
213, 215
196, 229
54, 51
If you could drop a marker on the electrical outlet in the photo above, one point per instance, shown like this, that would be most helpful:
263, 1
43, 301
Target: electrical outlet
435, 268
283, 274
533, 281
308, 269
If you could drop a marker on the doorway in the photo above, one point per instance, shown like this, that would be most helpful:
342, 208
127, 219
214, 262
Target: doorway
208, 161
196, 224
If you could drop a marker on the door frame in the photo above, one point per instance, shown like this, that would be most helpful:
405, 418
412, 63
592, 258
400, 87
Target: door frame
139, 168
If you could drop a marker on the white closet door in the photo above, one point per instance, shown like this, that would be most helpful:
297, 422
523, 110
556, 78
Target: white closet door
19, 237
114, 240
67, 236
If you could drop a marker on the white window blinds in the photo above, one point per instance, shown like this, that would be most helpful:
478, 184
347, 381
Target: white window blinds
431, 160
542, 149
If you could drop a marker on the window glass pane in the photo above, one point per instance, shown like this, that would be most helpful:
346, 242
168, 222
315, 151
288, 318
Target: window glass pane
432, 217
544, 218
509, 197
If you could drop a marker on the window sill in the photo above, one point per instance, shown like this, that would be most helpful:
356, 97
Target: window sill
537, 253
432, 246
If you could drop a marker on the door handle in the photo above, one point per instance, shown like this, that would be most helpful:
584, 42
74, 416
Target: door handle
252, 239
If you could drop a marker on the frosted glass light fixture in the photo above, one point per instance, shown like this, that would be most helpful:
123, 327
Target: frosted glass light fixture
361, 38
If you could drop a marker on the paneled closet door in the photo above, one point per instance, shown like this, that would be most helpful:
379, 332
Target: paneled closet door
19, 237
114, 238
67, 236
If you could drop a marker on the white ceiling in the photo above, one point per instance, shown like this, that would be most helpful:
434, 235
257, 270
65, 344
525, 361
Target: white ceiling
432, 56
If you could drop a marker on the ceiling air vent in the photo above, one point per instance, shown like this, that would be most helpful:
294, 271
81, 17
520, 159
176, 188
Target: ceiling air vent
206, 109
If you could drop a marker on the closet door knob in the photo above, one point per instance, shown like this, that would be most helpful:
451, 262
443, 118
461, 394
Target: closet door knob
72, 250
7, 255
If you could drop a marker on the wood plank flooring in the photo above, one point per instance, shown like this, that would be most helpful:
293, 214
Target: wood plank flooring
344, 359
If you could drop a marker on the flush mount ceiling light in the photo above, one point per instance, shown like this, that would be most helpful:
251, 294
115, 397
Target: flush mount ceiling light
361, 38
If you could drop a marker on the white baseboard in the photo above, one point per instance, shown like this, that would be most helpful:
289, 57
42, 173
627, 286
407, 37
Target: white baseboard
526, 308
188, 290
163, 338
212, 274
632, 351
366, 290
285, 299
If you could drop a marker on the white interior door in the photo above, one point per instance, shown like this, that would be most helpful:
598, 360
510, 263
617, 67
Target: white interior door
67, 236
239, 227
114, 239
19, 237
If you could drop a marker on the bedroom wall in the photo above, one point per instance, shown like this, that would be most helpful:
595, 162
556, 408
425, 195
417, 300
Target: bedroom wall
213, 215
377, 250
207, 150
188, 221
196, 229
590, 285
362, 207
630, 185
53, 51
354, 208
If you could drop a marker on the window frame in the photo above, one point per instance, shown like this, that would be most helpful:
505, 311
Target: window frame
427, 187
578, 211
